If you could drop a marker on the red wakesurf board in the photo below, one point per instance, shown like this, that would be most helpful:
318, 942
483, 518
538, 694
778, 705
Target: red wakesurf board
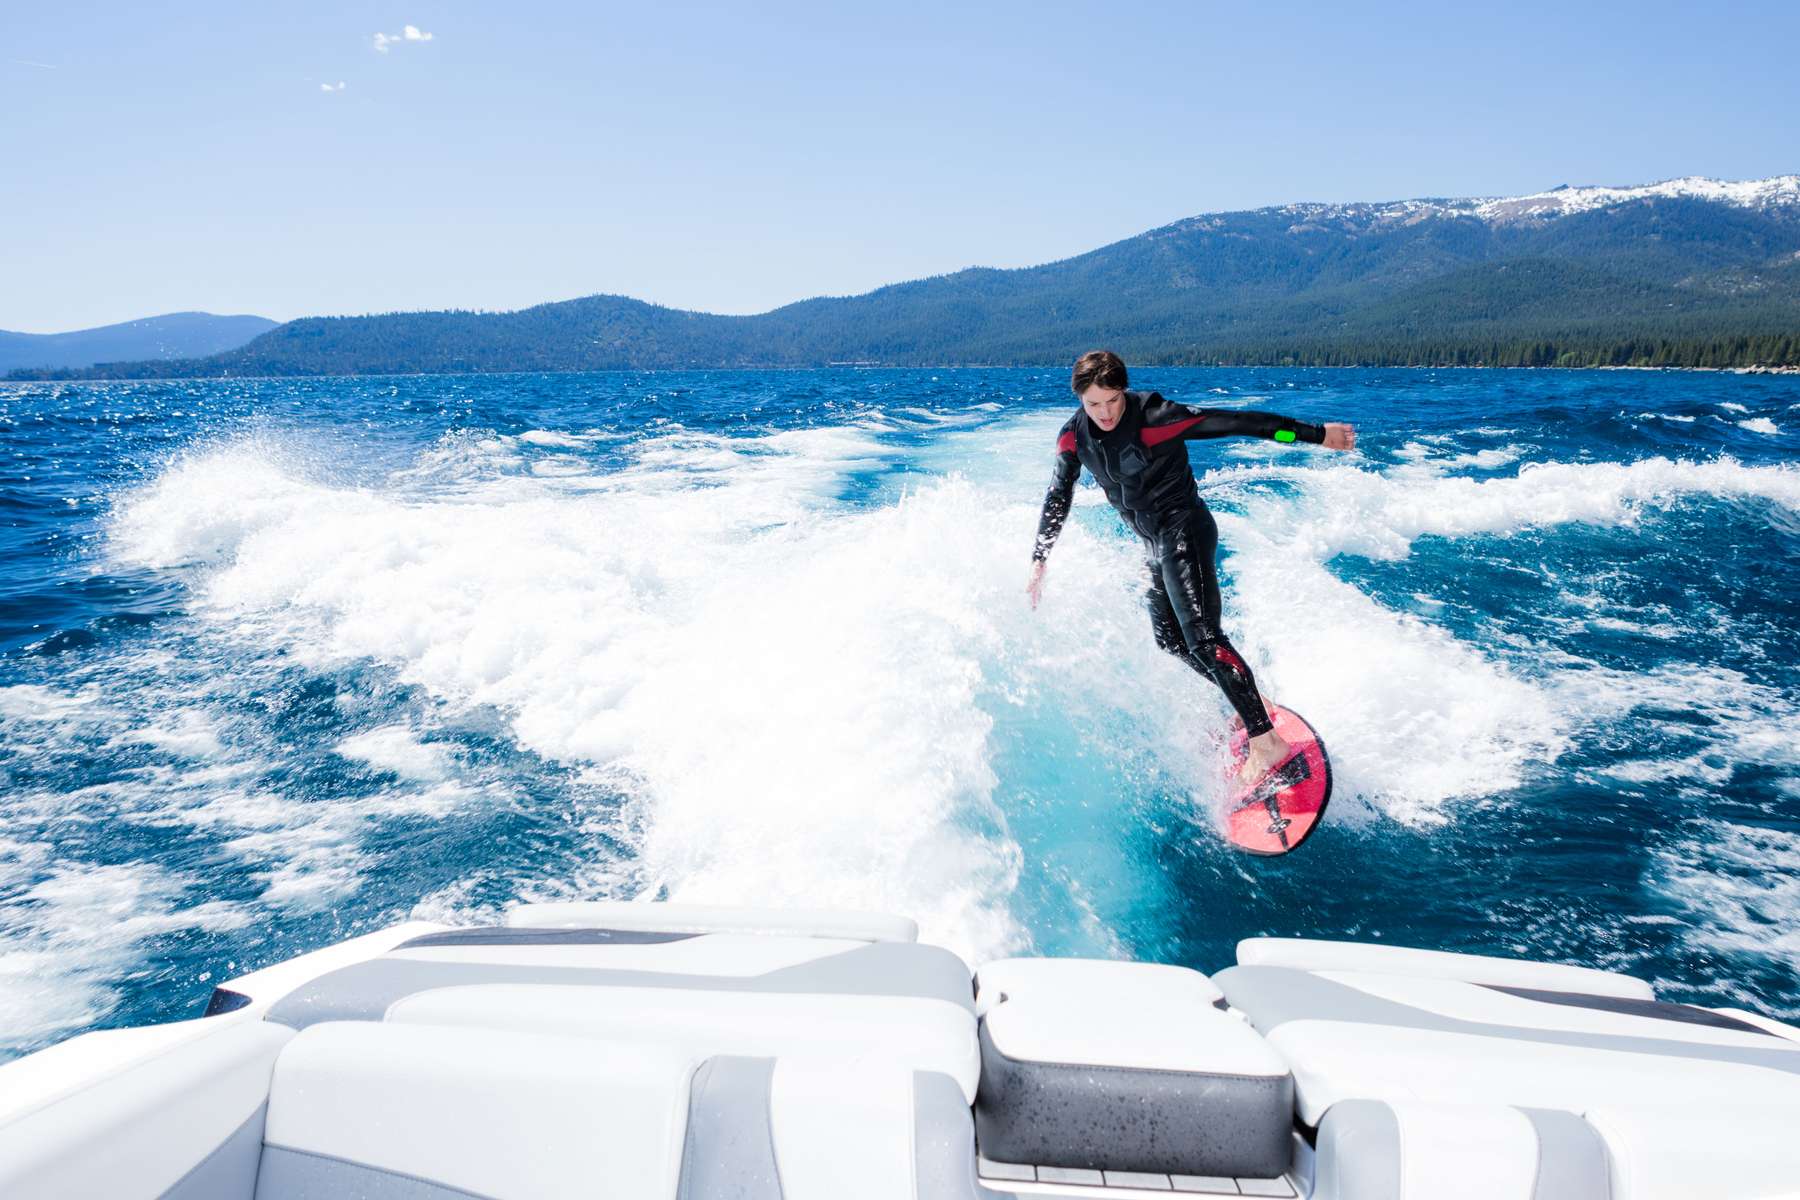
1279, 811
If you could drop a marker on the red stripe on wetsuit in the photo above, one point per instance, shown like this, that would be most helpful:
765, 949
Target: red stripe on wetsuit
1156, 435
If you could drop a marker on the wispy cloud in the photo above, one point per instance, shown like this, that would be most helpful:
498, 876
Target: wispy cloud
332, 87
411, 33
50, 66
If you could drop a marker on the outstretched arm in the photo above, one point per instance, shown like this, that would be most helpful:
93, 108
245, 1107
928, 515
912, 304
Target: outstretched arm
1193, 423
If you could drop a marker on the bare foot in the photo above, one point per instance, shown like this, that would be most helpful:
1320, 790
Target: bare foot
1264, 753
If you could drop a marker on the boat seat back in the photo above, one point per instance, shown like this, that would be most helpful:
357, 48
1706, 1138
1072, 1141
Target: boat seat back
857, 1032
421, 1113
734, 964
184, 1122
787, 1129
1662, 1153
664, 917
1371, 1150
1407, 1150
398, 1111
1362, 1035
1312, 954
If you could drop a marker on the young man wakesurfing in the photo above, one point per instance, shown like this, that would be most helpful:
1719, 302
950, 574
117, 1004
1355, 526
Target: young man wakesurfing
1135, 446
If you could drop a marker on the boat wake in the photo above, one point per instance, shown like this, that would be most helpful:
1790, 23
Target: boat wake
797, 667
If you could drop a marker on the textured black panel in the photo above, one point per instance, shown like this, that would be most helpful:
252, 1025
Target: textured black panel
1130, 1119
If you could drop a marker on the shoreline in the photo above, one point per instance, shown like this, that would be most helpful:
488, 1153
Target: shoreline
1780, 370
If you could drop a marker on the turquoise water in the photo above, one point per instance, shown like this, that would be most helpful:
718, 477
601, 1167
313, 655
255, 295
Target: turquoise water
284, 661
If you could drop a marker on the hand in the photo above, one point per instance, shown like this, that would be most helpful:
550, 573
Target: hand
1035, 586
1339, 435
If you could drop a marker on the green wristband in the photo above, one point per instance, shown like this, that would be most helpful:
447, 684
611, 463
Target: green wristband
1285, 435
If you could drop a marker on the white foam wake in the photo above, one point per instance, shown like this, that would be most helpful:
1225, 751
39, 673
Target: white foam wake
1380, 515
784, 688
1420, 718
796, 694
70, 931
1737, 887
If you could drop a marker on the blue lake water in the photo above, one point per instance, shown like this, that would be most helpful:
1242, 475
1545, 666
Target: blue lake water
285, 661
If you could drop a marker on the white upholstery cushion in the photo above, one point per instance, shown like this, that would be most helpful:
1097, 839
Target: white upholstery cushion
1370, 1150
1473, 1152
858, 1032
1308, 954
1351, 1034
732, 955
1483, 1005
1335, 1060
702, 918
510, 1115
1096, 983
1742, 1152
137, 1132
1098, 1012
843, 1130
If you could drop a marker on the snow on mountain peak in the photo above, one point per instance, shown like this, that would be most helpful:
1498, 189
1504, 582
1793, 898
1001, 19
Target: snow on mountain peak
1776, 192
1749, 193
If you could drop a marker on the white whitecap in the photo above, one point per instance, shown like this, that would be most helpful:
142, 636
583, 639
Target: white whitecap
69, 932
1737, 886
547, 437
397, 749
684, 630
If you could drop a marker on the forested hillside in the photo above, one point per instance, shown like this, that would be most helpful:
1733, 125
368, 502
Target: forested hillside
1659, 276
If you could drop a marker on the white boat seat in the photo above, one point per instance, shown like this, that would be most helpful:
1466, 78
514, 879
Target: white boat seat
1361, 1035
1313, 954
392, 1111
1100, 1065
1371, 1150
856, 1032
661, 917
876, 1133
378, 1110
721, 962
1660, 1153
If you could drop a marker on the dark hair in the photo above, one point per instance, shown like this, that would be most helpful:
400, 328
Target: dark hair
1101, 367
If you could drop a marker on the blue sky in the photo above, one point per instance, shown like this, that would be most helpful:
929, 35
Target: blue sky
734, 157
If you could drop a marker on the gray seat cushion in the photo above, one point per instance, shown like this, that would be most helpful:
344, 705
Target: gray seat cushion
1184, 1122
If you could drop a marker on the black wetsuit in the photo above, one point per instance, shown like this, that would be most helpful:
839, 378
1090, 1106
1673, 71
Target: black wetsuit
1142, 466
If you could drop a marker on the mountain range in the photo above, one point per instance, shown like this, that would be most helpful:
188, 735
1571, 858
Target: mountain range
1692, 272
181, 335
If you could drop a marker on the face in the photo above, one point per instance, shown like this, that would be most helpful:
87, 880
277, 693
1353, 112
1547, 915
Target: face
1105, 406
